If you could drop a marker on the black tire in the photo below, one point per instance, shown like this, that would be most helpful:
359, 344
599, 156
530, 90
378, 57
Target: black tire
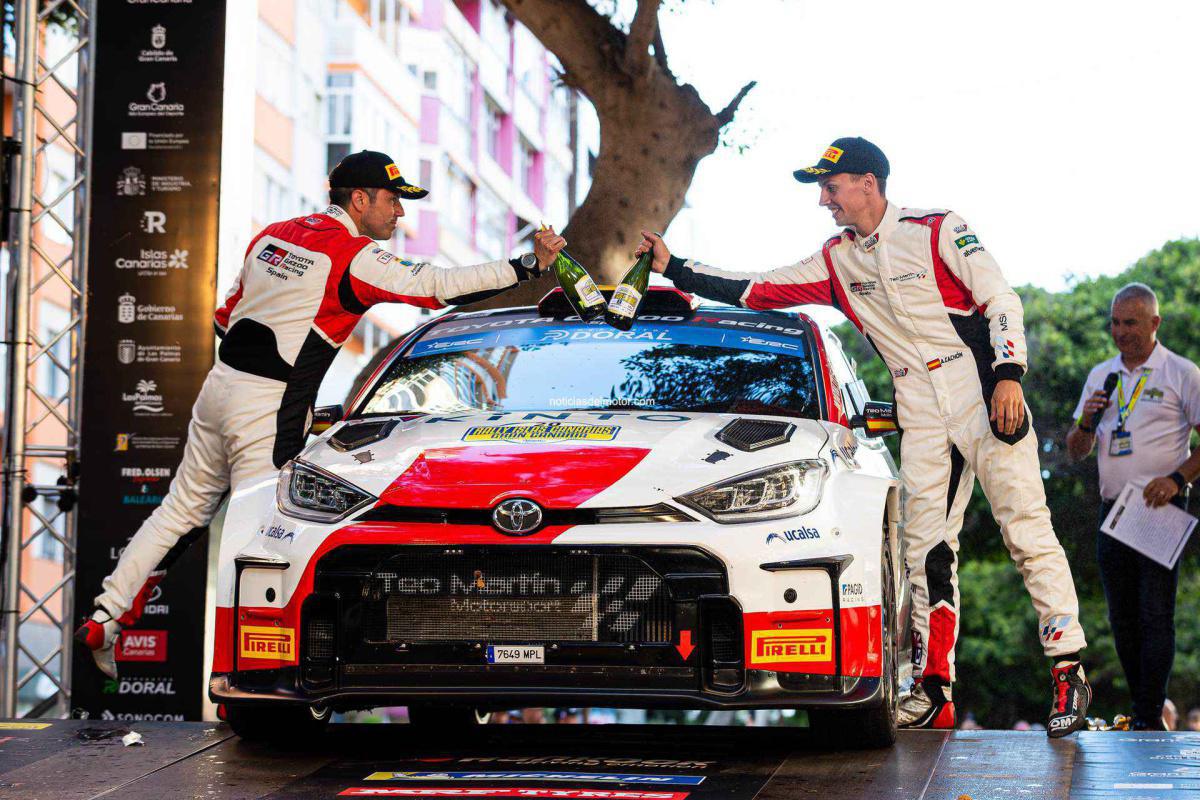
279, 725
446, 718
876, 726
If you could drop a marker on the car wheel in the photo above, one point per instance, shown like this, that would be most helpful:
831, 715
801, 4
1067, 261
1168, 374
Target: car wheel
447, 718
875, 726
283, 725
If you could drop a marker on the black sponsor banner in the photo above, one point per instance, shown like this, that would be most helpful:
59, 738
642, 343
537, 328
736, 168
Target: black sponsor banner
152, 268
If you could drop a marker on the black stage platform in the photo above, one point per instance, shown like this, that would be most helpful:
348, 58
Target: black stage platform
85, 759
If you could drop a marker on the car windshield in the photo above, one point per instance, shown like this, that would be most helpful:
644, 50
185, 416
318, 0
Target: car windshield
724, 361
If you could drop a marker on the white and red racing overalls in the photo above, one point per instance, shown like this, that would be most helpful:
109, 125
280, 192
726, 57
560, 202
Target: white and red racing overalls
300, 293
934, 304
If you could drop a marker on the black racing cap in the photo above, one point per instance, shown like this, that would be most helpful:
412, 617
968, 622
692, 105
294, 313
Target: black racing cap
369, 169
850, 154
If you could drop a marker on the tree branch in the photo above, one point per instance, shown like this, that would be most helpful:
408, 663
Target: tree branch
642, 32
725, 115
660, 52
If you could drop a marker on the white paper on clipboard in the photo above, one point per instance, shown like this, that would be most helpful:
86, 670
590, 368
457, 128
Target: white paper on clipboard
1157, 533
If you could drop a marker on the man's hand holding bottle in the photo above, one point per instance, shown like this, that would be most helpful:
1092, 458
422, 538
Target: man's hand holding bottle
546, 246
654, 242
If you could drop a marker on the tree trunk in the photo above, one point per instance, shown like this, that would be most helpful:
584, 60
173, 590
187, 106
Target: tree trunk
653, 133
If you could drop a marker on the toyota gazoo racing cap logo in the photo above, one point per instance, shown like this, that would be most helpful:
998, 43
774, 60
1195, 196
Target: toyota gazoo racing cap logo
517, 516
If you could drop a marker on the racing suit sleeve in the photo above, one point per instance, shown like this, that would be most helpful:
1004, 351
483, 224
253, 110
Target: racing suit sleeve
377, 276
806, 281
974, 266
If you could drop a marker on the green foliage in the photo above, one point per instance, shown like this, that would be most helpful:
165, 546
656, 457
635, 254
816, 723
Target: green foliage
1002, 674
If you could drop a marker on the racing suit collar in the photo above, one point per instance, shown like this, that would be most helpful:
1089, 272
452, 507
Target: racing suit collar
891, 217
338, 213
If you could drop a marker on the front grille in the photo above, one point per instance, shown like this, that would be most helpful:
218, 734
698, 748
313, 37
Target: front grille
755, 434
551, 516
515, 596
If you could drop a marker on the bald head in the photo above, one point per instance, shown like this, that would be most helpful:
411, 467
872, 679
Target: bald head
1135, 321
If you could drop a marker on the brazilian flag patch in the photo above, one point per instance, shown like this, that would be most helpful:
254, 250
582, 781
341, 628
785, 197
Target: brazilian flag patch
963, 241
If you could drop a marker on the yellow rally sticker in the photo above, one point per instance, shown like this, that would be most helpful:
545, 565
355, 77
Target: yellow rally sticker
261, 641
541, 432
814, 170
24, 726
832, 154
777, 647
393, 171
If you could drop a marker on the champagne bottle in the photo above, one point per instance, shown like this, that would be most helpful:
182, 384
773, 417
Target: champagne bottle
579, 287
622, 308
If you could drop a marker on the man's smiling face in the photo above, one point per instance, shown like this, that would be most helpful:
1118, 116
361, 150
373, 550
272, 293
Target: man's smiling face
845, 197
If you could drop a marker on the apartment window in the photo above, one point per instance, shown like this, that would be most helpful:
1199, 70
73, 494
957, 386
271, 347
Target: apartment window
494, 28
274, 69
339, 104
493, 124
53, 379
459, 201
334, 153
272, 199
60, 173
460, 83
491, 233
429, 78
528, 61
528, 166
426, 173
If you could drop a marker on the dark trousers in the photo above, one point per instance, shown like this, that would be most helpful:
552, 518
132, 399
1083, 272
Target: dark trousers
1141, 610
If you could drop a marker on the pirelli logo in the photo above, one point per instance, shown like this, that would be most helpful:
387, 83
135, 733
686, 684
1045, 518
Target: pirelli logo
832, 154
260, 641
780, 647
393, 172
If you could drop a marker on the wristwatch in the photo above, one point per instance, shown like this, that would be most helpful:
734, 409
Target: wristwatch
529, 261
526, 266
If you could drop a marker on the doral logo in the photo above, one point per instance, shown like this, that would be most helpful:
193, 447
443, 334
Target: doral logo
158, 37
132, 182
126, 351
126, 308
163, 686
794, 535
517, 516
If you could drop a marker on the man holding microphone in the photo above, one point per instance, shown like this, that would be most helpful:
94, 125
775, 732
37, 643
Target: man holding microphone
1141, 406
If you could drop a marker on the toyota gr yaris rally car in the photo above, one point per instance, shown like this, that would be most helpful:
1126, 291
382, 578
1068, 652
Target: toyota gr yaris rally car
520, 508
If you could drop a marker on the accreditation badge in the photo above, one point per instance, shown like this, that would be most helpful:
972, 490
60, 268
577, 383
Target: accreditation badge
1121, 443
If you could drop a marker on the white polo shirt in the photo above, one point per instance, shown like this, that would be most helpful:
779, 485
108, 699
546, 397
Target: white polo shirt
1161, 421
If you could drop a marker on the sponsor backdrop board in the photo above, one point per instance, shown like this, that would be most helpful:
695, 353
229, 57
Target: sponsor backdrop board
149, 338
556, 777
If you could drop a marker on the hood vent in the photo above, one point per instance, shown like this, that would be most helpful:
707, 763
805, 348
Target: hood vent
755, 434
354, 435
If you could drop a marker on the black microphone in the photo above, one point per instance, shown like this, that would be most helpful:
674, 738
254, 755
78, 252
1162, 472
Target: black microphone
1110, 384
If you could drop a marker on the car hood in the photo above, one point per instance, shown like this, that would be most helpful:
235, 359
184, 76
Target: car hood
559, 459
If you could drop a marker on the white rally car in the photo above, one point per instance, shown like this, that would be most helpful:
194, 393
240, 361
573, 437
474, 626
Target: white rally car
523, 509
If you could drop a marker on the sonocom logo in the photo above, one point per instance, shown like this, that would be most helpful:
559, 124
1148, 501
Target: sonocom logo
276, 644
777, 647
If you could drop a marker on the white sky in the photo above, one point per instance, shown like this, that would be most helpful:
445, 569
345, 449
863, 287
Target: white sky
1064, 131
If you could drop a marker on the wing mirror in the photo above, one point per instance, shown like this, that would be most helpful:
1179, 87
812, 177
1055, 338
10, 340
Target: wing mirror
876, 420
324, 418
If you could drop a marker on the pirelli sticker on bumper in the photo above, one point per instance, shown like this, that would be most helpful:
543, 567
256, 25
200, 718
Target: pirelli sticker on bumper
790, 646
542, 432
261, 641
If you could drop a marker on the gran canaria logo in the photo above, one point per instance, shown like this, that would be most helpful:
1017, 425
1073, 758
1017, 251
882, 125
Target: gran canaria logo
541, 432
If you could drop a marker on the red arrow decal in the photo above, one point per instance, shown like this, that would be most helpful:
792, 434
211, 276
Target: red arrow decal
685, 646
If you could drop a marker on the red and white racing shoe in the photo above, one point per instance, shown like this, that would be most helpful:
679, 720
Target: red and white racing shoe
927, 707
99, 634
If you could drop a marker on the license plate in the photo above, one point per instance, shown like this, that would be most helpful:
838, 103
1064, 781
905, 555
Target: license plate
533, 654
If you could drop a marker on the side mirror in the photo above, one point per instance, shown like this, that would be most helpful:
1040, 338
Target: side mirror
324, 417
876, 420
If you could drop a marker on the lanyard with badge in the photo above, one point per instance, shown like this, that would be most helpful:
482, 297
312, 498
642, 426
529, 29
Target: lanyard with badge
1121, 443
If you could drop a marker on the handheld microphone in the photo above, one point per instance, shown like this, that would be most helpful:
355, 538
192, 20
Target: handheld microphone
1110, 385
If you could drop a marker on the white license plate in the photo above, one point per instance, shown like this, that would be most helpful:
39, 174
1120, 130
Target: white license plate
531, 654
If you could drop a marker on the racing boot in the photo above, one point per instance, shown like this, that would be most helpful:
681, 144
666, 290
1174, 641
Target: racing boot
99, 634
929, 706
1072, 696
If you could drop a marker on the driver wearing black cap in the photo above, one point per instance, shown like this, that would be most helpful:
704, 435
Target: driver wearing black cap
303, 287
933, 302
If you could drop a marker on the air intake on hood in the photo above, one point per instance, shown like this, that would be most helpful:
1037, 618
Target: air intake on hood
755, 434
357, 434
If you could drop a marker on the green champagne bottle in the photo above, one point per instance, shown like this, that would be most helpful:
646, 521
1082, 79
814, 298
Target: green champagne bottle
579, 287
622, 308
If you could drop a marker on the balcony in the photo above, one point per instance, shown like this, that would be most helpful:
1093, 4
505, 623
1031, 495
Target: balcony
352, 43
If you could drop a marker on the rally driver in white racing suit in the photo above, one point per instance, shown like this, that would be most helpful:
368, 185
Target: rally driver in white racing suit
303, 286
933, 303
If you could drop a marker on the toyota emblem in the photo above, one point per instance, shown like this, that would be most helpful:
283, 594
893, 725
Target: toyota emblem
517, 517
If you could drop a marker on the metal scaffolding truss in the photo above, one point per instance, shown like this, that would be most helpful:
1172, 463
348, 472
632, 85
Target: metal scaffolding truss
47, 256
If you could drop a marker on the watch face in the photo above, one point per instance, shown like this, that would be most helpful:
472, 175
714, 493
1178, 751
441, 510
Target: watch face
528, 260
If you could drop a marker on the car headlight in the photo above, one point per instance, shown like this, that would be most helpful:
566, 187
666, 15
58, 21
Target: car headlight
782, 491
310, 493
